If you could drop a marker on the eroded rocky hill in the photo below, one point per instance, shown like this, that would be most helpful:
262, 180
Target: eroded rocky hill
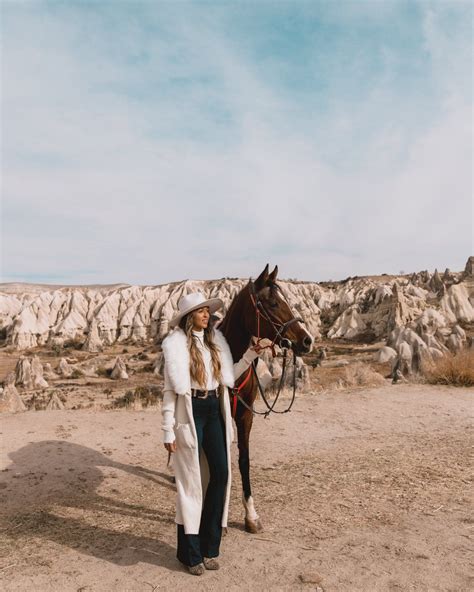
430, 308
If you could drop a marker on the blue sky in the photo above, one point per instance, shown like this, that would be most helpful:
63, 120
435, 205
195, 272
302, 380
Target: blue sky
148, 142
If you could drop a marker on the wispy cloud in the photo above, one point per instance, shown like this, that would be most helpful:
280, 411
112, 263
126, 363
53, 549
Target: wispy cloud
161, 141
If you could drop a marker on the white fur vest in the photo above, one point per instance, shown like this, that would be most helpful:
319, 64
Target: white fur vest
177, 358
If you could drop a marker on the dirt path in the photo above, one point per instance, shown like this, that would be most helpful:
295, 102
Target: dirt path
367, 490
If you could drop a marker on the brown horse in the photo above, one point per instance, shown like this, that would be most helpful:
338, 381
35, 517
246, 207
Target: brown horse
259, 310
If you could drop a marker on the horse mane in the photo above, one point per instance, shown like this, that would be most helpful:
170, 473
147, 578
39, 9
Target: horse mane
224, 324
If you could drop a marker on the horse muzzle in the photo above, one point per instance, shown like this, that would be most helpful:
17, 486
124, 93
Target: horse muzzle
300, 347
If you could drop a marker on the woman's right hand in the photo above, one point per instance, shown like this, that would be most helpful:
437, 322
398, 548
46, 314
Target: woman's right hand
170, 446
261, 345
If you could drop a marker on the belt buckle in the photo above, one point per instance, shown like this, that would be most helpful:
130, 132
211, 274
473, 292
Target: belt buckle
205, 396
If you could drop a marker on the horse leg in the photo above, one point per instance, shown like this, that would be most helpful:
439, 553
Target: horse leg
244, 421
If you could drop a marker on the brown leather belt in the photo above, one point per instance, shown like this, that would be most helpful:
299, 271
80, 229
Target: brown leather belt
204, 394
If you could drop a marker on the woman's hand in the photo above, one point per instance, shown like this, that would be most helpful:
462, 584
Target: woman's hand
170, 446
257, 348
260, 346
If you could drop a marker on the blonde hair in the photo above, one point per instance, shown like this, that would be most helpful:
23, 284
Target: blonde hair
197, 368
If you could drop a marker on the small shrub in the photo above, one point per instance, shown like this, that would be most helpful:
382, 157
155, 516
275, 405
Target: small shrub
77, 373
75, 343
146, 395
126, 400
38, 401
103, 371
57, 349
452, 369
146, 368
367, 336
360, 374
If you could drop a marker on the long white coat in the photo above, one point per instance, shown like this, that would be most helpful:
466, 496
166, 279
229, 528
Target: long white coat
192, 476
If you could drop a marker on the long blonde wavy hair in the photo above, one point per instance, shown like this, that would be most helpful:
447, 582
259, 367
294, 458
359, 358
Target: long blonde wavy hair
197, 369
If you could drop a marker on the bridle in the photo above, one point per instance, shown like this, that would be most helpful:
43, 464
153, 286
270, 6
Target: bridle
285, 344
279, 328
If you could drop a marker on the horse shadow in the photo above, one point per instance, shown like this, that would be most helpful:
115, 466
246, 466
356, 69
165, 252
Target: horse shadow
51, 488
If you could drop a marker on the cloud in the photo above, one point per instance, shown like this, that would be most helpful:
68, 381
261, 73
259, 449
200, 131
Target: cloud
153, 147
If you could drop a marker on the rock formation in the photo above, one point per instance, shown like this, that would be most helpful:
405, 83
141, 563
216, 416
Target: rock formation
23, 376
119, 371
469, 269
93, 343
29, 373
274, 366
321, 355
54, 403
10, 400
49, 373
64, 369
348, 325
37, 372
358, 308
385, 354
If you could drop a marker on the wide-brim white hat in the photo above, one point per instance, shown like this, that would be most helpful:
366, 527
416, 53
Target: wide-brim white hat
192, 302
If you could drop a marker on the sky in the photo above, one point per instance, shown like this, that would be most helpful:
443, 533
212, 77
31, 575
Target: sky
151, 142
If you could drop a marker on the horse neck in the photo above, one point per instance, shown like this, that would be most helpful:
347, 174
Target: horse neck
235, 333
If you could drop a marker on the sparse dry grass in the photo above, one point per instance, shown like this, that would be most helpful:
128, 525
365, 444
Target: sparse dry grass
452, 369
360, 374
142, 396
104, 372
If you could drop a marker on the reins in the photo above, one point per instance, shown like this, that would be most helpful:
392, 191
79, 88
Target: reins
235, 392
280, 329
280, 386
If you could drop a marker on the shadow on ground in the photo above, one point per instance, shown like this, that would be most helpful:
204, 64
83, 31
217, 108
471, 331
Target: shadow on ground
50, 491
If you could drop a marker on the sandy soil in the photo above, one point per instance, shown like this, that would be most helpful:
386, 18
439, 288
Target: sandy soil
365, 490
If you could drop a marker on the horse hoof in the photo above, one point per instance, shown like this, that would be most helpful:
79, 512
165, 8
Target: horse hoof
224, 531
253, 526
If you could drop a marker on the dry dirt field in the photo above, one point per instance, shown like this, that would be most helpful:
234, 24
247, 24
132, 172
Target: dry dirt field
363, 490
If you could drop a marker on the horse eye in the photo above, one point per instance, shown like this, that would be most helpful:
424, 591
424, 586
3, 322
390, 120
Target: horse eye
273, 304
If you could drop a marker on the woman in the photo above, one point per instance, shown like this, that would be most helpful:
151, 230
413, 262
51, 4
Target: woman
197, 427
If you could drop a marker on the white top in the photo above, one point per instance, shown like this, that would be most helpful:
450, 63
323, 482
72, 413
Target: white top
168, 393
211, 383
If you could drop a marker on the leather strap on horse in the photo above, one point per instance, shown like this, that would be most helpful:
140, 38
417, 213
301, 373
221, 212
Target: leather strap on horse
279, 332
279, 329
236, 391
270, 407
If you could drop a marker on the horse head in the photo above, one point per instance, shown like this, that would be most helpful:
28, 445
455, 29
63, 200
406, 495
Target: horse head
269, 314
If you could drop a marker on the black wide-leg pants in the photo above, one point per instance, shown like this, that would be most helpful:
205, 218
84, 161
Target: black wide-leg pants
210, 430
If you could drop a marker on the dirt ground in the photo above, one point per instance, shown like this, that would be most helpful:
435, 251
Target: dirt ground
365, 490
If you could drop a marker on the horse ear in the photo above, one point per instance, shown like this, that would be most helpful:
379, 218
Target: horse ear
262, 279
272, 277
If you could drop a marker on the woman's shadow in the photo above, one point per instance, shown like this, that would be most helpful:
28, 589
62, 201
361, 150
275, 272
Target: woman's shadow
50, 491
